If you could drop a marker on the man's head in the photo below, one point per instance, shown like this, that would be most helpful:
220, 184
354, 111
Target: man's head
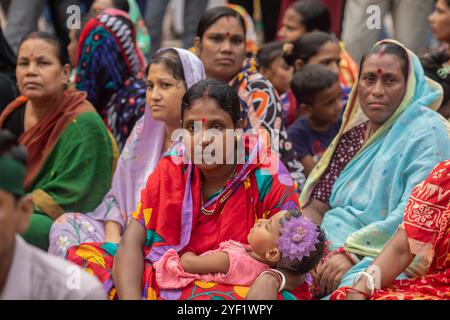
15, 206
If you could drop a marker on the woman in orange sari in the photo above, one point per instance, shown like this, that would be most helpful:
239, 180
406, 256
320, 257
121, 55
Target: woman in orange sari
190, 204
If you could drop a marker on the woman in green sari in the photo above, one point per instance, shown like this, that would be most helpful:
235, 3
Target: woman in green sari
71, 153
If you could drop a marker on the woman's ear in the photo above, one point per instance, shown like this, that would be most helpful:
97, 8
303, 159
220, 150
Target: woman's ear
266, 72
273, 255
25, 207
298, 64
240, 124
66, 73
197, 45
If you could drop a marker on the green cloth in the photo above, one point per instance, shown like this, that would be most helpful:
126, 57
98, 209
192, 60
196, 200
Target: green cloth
38, 230
12, 176
76, 174
142, 35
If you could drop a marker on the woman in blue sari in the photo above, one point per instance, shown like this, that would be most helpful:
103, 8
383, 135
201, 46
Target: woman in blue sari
389, 141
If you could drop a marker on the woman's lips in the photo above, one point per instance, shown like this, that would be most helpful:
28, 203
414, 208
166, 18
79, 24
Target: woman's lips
377, 105
225, 61
31, 84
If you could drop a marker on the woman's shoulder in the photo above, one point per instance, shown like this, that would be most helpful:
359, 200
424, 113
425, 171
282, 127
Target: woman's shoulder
426, 121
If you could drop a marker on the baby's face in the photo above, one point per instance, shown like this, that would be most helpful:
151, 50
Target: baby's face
264, 234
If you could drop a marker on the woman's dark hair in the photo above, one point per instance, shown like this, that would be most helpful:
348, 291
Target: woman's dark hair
269, 52
308, 45
307, 263
314, 15
63, 55
212, 15
389, 48
310, 81
121, 5
227, 98
434, 67
7, 58
171, 60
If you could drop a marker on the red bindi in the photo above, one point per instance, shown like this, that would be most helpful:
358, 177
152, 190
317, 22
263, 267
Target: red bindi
227, 34
203, 120
379, 71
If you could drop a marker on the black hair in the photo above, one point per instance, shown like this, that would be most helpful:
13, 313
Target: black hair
121, 5
308, 45
314, 15
310, 81
227, 98
171, 60
269, 52
212, 15
434, 67
307, 263
389, 48
63, 54
10, 147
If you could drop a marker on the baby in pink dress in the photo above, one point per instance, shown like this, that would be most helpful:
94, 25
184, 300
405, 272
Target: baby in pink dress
286, 240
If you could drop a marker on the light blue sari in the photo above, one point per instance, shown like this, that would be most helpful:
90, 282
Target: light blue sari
370, 194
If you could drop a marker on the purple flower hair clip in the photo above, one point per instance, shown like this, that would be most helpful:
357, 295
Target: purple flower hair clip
298, 238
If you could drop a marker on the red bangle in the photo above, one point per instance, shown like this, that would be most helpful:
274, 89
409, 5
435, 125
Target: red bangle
341, 250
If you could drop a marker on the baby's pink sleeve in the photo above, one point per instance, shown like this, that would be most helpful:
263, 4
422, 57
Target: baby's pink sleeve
243, 268
170, 273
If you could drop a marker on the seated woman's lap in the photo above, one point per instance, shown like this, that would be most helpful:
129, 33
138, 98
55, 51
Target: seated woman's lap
350, 276
72, 229
98, 259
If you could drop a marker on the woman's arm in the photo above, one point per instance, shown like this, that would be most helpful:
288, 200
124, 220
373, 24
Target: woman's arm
212, 263
129, 263
308, 164
315, 210
266, 286
112, 231
397, 249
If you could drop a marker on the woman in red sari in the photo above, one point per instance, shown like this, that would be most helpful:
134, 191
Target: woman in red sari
421, 245
192, 205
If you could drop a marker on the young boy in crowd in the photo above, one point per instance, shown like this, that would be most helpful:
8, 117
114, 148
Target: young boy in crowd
274, 67
26, 272
319, 93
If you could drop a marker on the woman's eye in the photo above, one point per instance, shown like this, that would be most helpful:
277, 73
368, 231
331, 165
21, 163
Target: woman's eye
237, 41
216, 38
166, 85
149, 86
217, 126
190, 127
391, 80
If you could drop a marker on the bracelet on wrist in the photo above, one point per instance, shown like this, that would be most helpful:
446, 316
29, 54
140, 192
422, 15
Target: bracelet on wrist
279, 276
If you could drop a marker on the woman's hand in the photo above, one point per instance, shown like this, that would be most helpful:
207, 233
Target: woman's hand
112, 231
329, 273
